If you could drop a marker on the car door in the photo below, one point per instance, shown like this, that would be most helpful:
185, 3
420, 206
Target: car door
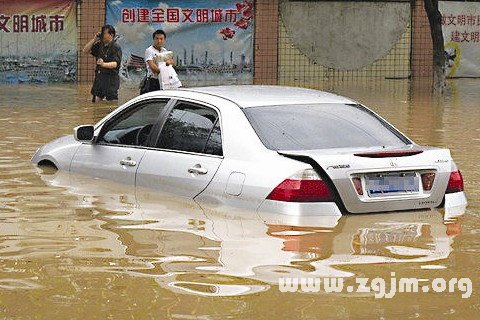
187, 152
120, 145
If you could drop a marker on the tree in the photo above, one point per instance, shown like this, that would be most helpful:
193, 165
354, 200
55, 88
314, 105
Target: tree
435, 21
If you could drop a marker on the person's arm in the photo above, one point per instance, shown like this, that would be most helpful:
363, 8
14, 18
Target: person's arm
107, 65
116, 57
89, 45
149, 58
153, 66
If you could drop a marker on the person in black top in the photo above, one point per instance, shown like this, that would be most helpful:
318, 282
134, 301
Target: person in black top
109, 56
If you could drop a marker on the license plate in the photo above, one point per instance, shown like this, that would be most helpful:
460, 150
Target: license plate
381, 184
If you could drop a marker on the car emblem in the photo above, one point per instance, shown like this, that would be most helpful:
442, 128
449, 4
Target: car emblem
393, 164
339, 166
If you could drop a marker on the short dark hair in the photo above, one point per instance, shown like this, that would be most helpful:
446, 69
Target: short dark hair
159, 32
110, 28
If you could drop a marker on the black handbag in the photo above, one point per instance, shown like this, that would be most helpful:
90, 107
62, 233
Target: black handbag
144, 85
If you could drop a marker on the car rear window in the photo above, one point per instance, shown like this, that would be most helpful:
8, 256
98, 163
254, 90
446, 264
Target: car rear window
321, 126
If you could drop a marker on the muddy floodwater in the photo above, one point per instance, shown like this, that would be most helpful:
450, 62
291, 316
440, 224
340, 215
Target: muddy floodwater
72, 247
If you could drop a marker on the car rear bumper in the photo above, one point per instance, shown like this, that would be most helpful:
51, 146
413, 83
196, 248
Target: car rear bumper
300, 208
455, 204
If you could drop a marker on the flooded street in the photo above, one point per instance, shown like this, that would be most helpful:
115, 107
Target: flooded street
72, 247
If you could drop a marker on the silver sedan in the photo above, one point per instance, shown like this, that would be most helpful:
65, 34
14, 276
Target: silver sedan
265, 148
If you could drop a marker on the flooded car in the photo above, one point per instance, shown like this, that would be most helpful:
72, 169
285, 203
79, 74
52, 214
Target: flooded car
265, 148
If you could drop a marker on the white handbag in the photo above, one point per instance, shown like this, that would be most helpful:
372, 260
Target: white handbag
168, 77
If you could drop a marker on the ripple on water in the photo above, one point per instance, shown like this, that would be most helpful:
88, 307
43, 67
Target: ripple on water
216, 290
19, 284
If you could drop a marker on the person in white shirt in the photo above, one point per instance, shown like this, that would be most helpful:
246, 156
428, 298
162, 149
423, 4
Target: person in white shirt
153, 69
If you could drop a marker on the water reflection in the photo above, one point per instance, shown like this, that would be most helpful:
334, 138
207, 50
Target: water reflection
180, 240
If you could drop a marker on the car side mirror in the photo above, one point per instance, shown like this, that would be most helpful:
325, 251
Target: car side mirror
84, 133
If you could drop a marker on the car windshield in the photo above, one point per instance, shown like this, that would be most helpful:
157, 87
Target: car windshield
321, 126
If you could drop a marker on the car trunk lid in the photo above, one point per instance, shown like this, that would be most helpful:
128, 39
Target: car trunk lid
383, 178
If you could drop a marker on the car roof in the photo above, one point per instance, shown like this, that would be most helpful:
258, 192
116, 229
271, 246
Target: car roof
246, 96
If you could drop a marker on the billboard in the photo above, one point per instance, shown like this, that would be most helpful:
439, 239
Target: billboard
38, 41
212, 41
461, 33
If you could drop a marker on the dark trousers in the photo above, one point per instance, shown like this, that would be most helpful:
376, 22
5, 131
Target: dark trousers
106, 85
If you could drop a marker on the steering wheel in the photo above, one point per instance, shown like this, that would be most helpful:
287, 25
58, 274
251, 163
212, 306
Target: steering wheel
142, 134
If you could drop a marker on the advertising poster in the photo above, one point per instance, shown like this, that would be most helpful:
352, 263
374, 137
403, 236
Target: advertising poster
212, 41
38, 41
461, 33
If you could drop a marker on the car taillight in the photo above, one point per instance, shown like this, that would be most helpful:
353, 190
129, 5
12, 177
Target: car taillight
427, 180
304, 186
357, 182
455, 183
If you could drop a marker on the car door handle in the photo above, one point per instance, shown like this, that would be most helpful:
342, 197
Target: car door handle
197, 169
128, 162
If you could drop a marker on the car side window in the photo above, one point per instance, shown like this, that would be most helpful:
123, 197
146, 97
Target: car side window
192, 128
134, 126
214, 143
